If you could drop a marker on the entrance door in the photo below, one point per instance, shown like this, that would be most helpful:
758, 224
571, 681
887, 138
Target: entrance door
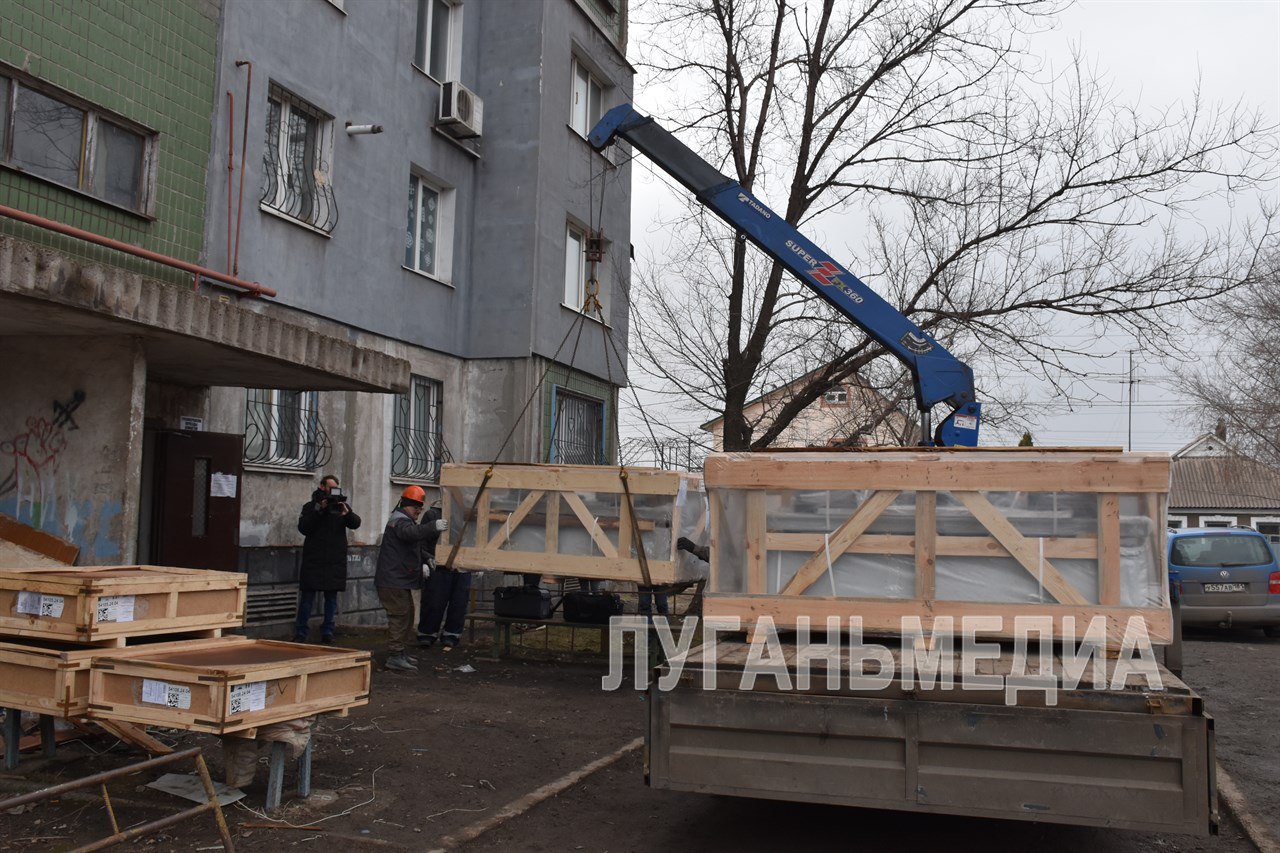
196, 500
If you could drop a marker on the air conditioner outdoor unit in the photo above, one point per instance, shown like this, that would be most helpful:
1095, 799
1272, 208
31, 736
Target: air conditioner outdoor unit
461, 112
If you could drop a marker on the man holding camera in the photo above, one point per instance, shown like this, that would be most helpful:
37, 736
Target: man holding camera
324, 521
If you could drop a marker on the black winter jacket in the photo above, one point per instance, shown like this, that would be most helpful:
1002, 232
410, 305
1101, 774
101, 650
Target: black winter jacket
405, 547
324, 551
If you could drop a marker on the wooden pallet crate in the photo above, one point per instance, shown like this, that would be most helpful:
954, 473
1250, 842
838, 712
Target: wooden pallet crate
233, 685
572, 521
893, 533
105, 604
48, 677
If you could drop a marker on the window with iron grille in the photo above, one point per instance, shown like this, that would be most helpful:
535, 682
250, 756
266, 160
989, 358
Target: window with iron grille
417, 440
282, 428
296, 162
577, 429
69, 142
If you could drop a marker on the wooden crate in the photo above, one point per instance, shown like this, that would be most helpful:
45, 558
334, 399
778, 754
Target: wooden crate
231, 685
934, 533
48, 677
572, 521
97, 604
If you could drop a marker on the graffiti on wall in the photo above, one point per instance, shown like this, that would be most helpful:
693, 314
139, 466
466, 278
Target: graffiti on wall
32, 458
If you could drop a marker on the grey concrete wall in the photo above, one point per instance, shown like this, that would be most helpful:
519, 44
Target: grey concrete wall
71, 440
511, 202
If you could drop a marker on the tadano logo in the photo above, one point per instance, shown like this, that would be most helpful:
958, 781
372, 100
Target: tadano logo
754, 205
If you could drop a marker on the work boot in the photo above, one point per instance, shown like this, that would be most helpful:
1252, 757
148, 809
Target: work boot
426, 641
401, 663
448, 643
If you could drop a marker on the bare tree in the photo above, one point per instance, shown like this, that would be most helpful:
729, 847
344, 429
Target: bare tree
998, 200
1239, 388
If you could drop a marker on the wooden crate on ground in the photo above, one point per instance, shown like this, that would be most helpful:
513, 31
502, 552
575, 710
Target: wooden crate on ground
891, 533
48, 677
232, 685
573, 521
96, 604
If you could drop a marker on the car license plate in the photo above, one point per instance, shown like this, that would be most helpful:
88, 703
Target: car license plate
1225, 587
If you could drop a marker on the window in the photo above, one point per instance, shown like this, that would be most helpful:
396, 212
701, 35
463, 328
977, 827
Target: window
587, 99
438, 27
282, 428
296, 162
577, 429
578, 270
74, 145
836, 397
428, 233
1268, 527
1217, 520
417, 442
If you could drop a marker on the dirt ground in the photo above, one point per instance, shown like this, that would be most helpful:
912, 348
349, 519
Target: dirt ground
437, 751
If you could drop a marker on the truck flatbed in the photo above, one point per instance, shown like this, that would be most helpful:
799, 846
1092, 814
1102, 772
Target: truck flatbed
1129, 757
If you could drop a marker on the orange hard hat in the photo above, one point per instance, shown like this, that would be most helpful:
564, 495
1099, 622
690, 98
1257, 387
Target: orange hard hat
416, 494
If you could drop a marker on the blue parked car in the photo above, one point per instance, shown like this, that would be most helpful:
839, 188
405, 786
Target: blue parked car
1229, 577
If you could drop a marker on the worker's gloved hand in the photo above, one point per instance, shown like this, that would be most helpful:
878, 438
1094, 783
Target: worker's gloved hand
684, 543
441, 525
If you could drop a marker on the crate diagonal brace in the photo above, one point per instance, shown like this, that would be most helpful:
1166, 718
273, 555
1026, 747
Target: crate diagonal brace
868, 511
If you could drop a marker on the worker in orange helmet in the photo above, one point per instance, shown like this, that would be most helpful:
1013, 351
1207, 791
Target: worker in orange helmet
408, 542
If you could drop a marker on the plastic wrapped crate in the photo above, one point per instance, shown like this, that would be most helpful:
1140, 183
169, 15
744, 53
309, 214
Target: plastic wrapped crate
902, 532
573, 521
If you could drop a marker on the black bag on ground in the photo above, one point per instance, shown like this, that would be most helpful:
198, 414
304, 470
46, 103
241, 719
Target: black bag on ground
522, 602
591, 608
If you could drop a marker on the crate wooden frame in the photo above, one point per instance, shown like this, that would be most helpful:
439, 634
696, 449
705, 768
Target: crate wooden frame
43, 680
319, 680
966, 474
170, 594
553, 493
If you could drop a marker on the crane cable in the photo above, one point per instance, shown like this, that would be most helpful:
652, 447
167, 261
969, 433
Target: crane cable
592, 302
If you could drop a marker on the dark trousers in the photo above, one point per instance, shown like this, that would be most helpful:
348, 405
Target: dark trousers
306, 600
648, 598
446, 591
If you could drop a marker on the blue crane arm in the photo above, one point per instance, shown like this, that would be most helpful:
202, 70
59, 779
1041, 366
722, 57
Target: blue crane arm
939, 377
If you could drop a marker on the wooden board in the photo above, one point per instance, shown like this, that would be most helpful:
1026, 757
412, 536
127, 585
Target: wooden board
90, 604
810, 540
570, 521
230, 685
53, 678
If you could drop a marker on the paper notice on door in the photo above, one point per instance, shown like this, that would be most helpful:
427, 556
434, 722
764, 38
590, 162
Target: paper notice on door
222, 485
115, 608
247, 697
164, 693
39, 604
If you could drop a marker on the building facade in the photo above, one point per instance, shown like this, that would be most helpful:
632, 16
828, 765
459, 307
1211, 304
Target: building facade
409, 179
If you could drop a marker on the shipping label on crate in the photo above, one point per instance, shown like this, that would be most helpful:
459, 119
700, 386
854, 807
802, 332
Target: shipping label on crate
115, 608
39, 604
164, 693
247, 697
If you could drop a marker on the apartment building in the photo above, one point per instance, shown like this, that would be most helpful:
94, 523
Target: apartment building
409, 185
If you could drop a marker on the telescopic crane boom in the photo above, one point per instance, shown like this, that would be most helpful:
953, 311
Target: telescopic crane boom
938, 375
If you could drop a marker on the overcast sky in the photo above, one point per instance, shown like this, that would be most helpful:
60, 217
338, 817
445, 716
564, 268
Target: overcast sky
1154, 51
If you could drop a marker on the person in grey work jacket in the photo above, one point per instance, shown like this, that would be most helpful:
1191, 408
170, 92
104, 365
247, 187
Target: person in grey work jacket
406, 545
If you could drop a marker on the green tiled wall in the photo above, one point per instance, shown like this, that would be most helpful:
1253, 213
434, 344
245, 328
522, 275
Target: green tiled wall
151, 61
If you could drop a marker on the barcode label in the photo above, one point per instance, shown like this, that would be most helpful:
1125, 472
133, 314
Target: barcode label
39, 604
164, 693
247, 697
115, 608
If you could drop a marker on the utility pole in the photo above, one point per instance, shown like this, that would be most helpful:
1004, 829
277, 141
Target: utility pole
1133, 384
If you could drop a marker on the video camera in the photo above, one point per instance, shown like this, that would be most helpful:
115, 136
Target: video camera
336, 499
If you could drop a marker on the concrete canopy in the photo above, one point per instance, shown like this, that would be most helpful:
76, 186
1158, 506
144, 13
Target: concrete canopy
189, 338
